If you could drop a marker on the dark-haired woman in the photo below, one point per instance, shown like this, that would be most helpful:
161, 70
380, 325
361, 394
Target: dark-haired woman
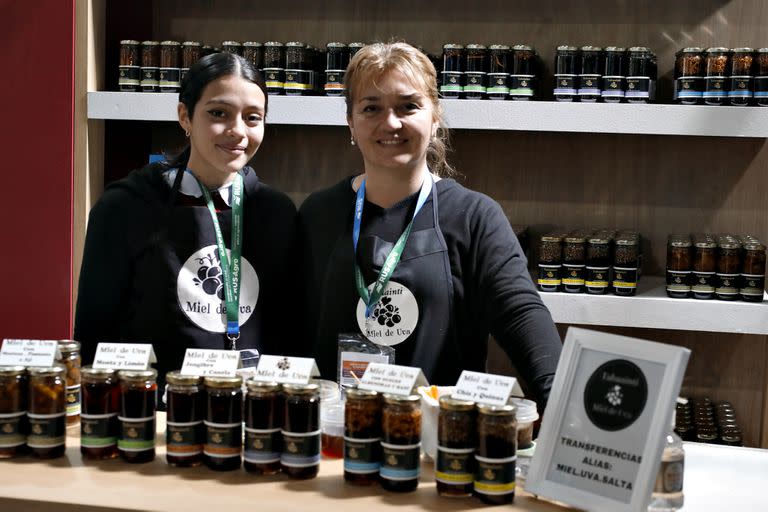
196, 252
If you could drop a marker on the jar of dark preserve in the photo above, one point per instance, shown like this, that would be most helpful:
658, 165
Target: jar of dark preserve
475, 69
14, 390
336, 60
170, 70
138, 404
70, 358
496, 454
522, 77
574, 262
728, 268
150, 66
99, 426
362, 436
590, 74
301, 431
689, 76
679, 266
223, 446
598, 264
566, 72
740, 88
704, 266
401, 442
274, 70
761, 77
184, 433
614, 74
452, 81
297, 69
253, 52
550, 262
190, 53
231, 47
715, 71
626, 264
129, 69
47, 411
753, 271
263, 425
498, 72
639, 74
456, 443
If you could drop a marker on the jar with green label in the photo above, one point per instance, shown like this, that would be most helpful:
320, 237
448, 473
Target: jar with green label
99, 426
456, 443
223, 423
753, 271
522, 75
301, 431
138, 404
475, 70
401, 442
263, 425
452, 81
185, 431
14, 425
71, 359
496, 454
47, 411
362, 436
498, 71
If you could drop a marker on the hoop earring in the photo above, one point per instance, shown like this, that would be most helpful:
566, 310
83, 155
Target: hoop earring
186, 133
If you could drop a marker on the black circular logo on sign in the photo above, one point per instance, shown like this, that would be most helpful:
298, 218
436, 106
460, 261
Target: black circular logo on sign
615, 395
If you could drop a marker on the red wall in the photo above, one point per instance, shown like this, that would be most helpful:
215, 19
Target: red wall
37, 91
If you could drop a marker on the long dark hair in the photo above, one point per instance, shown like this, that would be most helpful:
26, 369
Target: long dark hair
206, 70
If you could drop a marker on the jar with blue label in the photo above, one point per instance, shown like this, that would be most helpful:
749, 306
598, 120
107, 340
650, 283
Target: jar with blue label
715, 73
401, 442
452, 74
456, 443
740, 88
614, 74
138, 405
301, 431
689, 76
362, 436
591, 65
566, 73
640, 64
263, 424
761, 77
47, 411
14, 390
496, 454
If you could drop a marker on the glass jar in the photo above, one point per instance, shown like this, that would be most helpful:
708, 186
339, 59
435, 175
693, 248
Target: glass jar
129, 68
679, 266
566, 72
475, 70
47, 411
400, 442
99, 426
550, 262
498, 72
704, 266
253, 52
740, 72
761, 77
138, 404
452, 81
223, 446
626, 264
301, 431
689, 76
263, 424
297, 67
362, 436
496, 453
170, 71
456, 443
522, 75
728, 268
589, 78
614, 74
715, 71
14, 426
190, 53
598, 264
184, 433
71, 359
274, 70
574, 262
231, 47
336, 61
150, 66
731, 436
639, 73
753, 272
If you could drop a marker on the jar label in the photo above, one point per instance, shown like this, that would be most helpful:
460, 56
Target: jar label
98, 430
689, 87
638, 87
740, 87
150, 77
549, 275
73, 400
761, 87
263, 446
451, 82
129, 75
669, 479
13, 429
400, 462
522, 85
184, 439
597, 277
678, 280
362, 456
715, 87
455, 466
136, 434
574, 274
565, 84
703, 282
495, 476
274, 78
624, 277
182, 76
589, 85
297, 80
613, 87
475, 82
727, 284
169, 77
334, 80
497, 84
223, 440
752, 285
46, 430
300, 450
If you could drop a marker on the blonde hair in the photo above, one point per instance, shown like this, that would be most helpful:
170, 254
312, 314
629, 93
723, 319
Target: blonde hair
373, 60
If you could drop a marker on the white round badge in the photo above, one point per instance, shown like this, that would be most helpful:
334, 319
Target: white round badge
200, 289
393, 319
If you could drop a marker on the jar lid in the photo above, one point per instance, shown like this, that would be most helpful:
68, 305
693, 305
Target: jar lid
706, 244
273, 43
528, 48
181, 379
261, 386
626, 240
230, 43
298, 44
301, 389
589, 48
356, 45
718, 49
89, 372
449, 403
170, 43
680, 242
191, 43
744, 49
575, 239
451, 46
137, 375
692, 49
68, 346
129, 41
401, 399
47, 371
639, 49
728, 244
619, 49
551, 238
336, 45
474, 46
762, 50
149, 43
598, 240
502, 47
497, 410
10, 371
754, 246
361, 394
251, 44
566, 48
224, 382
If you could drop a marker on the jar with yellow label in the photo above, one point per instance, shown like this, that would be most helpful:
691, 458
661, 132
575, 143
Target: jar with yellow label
550, 262
47, 411
274, 67
70, 358
456, 443
223, 423
138, 404
301, 431
184, 426
496, 454
263, 425
13, 411
99, 426
401, 442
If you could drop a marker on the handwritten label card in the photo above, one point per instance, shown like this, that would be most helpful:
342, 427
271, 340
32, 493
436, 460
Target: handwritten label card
124, 356
28, 352
391, 378
486, 388
286, 370
210, 363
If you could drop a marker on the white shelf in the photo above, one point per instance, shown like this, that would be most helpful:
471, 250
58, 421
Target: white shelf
547, 116
651, 308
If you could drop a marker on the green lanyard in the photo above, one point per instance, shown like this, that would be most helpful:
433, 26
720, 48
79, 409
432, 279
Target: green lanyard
230, 273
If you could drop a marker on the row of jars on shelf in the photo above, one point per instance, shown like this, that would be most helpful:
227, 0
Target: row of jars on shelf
704, 422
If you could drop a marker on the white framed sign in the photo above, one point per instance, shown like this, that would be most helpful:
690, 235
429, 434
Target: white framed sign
603, 431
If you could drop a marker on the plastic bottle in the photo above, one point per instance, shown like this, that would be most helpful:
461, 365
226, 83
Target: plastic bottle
667, 493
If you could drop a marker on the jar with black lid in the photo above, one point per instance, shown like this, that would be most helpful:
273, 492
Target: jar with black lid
190, 53
639, 75
689, 76
740, 88
496, 453
138, 404
297, 69
150, 66
274, 70
223, 445
475, 70
362, 436
761, 77
679, 266
232, 47
591, 65
566, 72
301, 431
753, 271
626, 263
574, 262
14, 426
47, 411
129, 68
451, 85
170, 70
550, 262
184, 432
99, 426
522, 76
614, 74
704, 266
598, 264
498, 71
71, 359
263, 424
456, 444
401, 442
728, 268
715, 72
336, 61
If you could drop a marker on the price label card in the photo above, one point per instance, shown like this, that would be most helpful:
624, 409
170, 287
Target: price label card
286, 370
210, 363
391, 378
124, 356
29, 352
486, 388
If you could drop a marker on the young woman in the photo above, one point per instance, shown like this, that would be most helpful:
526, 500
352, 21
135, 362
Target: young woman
195, 252
411, 260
